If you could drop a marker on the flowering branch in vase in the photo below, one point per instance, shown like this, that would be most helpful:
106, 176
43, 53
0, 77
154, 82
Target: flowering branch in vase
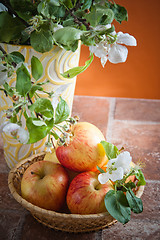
45, 23
43, 116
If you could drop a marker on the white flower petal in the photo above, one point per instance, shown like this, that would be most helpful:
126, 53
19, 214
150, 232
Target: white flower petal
127, 39
10, 127
104, 60
100, 50
123, 160
111, 161
117, 174
103, 177
117, 53
22, 135
2, 126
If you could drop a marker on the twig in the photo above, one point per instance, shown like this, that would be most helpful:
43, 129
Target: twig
37, 114
5, 54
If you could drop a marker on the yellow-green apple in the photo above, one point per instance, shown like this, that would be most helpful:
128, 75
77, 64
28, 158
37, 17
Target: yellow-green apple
84, 151
45, 184
86, 195
51, 156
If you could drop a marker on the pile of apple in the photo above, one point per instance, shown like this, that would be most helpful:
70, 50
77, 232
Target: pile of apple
69, 176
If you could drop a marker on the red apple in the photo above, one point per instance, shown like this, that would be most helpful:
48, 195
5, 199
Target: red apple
86, 195
45, 184
84, 151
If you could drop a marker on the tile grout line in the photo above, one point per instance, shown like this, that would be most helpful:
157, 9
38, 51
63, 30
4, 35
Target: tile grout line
136, 122
112, 106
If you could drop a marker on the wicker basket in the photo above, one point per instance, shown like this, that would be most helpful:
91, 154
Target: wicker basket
59, 221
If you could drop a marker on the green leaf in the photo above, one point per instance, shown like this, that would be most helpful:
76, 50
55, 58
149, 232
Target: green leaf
54, 2
110, 149
23, 82
134, 202
100, 15
34, 88
37, 133
36, 68
49, 10
128, 185
77, 70
62, 111
87, 4
43, 106
100, 169
10, 28
120, 13
16, 57
117, 206
42, 41
67, 37
139, 175
39, 123
68, 3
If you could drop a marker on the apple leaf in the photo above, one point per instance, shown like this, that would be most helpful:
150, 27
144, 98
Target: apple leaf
117, 206
36, 130
23, 83
100, 169
139, 175
36, 68
77, 70
43, 106
62, 111
110, 149
134, 202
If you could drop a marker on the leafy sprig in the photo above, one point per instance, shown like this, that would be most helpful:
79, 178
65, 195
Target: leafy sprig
41, 117
122, 200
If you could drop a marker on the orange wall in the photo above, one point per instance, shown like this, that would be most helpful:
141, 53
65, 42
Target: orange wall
139, 76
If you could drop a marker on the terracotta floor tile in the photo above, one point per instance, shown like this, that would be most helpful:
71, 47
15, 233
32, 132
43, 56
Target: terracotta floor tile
151, 200
134, 230
140, 110
93, 110
33, 228
143, 141
6, 199
9, 222
3, 164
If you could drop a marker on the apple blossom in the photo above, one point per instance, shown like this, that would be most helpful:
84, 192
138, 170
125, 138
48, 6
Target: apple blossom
14, 129
116, 168
114, 52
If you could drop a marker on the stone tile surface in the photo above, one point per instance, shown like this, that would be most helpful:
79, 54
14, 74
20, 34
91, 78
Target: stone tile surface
142, 141
138, 109
92, 109
6, 199
32, 228
134, 230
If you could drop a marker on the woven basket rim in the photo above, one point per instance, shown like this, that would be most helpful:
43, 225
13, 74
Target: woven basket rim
30, 206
